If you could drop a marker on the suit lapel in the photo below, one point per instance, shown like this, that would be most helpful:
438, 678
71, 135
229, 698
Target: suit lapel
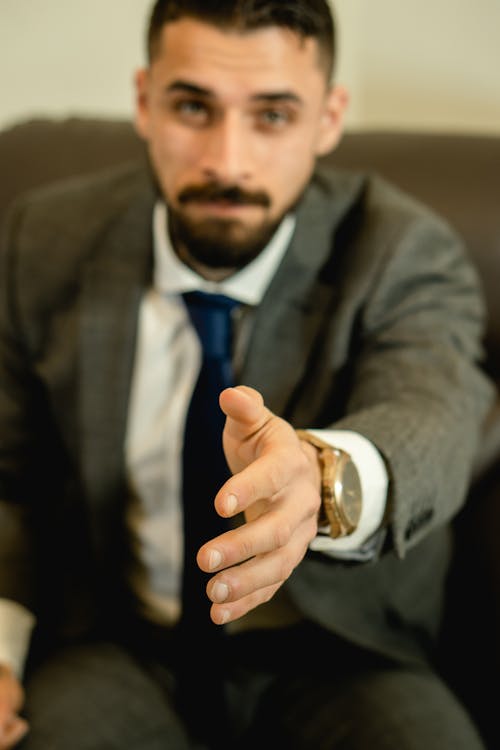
113, 284
289, 319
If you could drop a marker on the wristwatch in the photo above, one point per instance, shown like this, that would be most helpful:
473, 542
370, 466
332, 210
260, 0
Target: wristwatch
341, 495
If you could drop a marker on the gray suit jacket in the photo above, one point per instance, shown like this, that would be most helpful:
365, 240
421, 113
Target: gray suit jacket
373, 323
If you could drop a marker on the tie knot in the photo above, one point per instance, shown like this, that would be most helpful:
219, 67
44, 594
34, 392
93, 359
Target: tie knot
211, 316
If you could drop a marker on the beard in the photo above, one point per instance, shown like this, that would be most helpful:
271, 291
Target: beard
220, 243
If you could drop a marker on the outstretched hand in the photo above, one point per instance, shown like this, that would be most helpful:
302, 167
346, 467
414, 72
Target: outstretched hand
275, 483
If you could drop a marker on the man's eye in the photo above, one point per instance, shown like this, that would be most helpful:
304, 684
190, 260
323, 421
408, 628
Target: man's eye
274, 118
192, 110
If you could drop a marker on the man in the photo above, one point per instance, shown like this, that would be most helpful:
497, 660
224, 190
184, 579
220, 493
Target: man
350, 436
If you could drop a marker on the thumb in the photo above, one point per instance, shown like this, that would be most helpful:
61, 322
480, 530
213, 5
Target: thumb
244, 409
246, 416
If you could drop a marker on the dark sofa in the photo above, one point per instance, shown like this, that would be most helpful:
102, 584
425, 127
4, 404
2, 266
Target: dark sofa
460, 177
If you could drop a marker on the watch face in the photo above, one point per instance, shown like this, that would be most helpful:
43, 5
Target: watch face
351, 493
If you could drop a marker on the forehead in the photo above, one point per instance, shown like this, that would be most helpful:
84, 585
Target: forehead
264, 60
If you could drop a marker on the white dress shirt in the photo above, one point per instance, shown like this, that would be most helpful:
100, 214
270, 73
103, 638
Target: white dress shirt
167, 361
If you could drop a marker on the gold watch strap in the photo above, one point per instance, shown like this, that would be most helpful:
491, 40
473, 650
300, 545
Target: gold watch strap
328, 458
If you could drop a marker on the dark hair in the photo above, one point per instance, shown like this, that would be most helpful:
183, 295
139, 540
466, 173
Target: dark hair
308, 18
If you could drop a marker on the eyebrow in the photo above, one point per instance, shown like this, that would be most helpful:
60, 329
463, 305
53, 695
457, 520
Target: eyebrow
271, 97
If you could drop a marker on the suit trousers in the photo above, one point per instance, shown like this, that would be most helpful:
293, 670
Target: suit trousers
300, 688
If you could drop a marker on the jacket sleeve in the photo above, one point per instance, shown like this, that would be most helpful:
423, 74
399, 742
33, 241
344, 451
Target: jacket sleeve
419, 393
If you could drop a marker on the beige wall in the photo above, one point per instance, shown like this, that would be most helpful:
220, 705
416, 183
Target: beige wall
407, 63
422, 63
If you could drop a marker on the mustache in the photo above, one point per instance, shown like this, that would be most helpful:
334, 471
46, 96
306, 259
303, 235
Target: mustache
214, 192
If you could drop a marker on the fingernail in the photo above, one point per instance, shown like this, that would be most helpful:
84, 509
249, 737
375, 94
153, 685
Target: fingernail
220, 592
214, 559
224, 617
230, 504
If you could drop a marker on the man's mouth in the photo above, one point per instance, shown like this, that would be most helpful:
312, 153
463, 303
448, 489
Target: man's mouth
224, 197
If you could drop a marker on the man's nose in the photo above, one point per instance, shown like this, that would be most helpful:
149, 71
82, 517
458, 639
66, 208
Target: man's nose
227, 152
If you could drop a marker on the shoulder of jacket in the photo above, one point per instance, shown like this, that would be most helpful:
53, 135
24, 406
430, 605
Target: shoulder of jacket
104, 189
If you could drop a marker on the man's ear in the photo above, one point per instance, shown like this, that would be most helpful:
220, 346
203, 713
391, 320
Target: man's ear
332, 121
141, 118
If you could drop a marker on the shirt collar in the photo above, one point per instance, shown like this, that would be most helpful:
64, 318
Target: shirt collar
248, 286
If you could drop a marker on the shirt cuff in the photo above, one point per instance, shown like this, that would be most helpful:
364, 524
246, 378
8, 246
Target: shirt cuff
16, 624
364, 542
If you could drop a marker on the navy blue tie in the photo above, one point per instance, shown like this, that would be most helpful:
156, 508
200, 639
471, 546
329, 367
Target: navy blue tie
204, 472
204, 466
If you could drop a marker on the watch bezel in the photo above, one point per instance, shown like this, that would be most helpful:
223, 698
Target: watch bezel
333, 463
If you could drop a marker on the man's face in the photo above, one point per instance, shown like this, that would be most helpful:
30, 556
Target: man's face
234, 123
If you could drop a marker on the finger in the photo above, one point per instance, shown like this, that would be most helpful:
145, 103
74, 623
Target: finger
263, 479
257, 573
13, 733
267, 477
292, 517
222, 614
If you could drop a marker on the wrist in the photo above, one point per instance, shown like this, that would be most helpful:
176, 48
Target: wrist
314, 461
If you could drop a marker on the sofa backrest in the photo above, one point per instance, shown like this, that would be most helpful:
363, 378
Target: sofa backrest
39, 151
